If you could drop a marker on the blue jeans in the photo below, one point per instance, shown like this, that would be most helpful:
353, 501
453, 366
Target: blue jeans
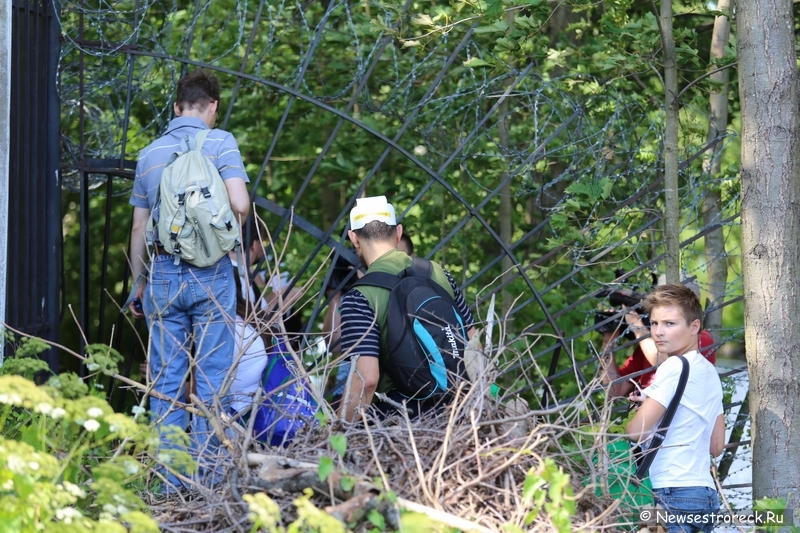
685, 501
187, 305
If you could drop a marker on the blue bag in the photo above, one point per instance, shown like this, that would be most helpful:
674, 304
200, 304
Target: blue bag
285, 408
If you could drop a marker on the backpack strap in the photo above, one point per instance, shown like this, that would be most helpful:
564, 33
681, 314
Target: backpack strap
383, 280
419, 267
199, 139
661, 432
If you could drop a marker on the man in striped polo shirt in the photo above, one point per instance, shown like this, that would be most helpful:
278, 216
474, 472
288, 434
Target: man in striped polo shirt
375, 235
185, 304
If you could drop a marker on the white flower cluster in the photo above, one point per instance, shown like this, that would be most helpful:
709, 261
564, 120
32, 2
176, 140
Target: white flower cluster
15, 464
67, 514
115, 509
132, 467
93, 425
43, 408
11, 399
73, 489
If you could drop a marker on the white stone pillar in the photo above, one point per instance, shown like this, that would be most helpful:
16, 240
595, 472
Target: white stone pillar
5, 142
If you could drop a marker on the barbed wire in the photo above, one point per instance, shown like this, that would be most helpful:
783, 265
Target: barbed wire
119, 66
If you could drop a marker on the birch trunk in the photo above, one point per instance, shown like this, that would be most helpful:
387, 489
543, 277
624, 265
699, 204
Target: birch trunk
716, 258
671, 207
770, 167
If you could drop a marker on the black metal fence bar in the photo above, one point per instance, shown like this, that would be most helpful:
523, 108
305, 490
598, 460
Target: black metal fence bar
34, 244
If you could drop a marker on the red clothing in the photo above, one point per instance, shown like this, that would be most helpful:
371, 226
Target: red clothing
637, 361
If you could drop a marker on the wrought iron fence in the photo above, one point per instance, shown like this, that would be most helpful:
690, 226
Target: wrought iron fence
34, 232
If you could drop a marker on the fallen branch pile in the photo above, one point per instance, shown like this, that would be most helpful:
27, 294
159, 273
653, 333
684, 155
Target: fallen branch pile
464, 468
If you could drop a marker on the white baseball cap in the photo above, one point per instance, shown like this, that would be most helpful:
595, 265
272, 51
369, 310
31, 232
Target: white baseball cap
369, 209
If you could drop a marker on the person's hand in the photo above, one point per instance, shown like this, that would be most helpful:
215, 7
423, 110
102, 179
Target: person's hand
136, 304
636, 399
634, 320
631, 316
609, 338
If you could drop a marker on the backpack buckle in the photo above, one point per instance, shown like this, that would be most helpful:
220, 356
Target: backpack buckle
181, 198
205, 191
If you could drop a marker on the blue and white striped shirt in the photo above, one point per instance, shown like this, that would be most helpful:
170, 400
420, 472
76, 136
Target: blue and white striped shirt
220, 147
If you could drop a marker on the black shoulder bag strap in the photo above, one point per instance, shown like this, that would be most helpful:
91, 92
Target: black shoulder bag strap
419, 267
646, 459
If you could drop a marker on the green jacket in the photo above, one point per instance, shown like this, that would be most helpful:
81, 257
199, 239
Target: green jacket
393, 262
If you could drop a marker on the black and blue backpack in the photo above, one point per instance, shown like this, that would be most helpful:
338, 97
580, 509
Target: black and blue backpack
426, 335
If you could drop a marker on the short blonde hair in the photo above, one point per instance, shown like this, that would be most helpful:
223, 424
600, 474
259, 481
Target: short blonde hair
675, 294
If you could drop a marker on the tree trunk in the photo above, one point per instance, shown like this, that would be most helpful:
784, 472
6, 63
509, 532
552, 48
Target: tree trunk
506, 208
716, 258
770, 164
671, 208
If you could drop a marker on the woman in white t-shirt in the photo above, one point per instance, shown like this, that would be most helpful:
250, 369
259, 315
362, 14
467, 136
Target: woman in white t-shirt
681, 471
251, 365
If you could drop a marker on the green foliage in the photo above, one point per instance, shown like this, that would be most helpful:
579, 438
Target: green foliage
68, 462
347, 483
102, 358
338, 443
25, 362
376, 519
265, 514
547, 489
325, 468
781, 520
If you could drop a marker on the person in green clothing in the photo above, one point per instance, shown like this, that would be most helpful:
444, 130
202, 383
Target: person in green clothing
375, 235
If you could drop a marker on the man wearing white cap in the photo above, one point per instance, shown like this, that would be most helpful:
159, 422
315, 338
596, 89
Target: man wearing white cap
375, 235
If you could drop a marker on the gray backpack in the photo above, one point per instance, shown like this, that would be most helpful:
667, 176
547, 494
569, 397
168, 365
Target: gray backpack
195, 220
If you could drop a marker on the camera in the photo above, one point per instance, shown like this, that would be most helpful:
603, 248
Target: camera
618, 297
611, 325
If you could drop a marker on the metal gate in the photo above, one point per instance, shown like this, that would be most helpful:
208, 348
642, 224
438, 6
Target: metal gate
34, 232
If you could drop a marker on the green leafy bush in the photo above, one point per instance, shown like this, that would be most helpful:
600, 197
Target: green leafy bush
68, 462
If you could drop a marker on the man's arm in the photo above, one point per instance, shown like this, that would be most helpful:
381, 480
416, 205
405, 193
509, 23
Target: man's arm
239, 198
360, 337
138, 253
360, 387
610, 370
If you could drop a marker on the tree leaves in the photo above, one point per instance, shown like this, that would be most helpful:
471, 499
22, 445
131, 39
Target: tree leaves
325, 468
338, 442
476, 62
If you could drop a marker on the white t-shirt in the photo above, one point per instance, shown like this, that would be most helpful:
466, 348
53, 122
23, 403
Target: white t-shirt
684, 459
251, 365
